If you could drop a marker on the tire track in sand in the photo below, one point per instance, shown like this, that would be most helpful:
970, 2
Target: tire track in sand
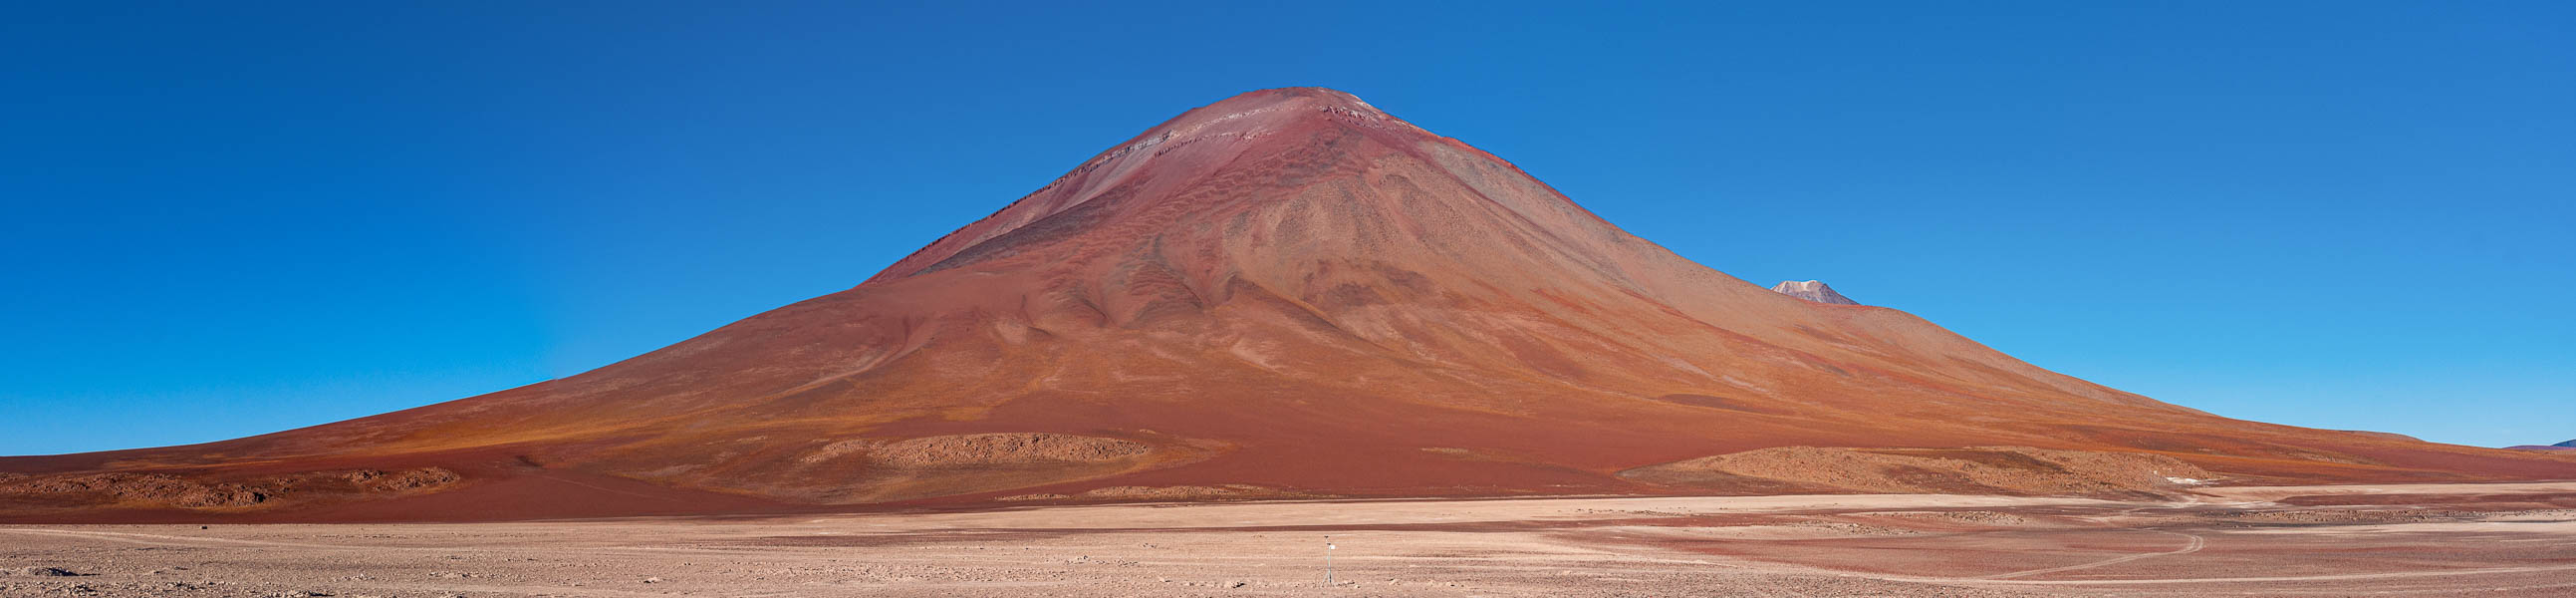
2194, 545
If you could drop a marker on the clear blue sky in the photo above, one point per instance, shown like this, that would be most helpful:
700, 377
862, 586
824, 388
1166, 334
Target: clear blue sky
232, 218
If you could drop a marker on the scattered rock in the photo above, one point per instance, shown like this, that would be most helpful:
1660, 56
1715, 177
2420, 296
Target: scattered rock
45, 572
1011, 448
1980, 518
1026, 497
1188, 493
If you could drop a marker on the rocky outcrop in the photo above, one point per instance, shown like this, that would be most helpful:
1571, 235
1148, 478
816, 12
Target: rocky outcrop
154, 490
1167, 493
164, 490
377, 480
993, 449
1812, 291
2008, 470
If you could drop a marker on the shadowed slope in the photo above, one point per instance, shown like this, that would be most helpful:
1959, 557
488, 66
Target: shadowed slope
1285, 293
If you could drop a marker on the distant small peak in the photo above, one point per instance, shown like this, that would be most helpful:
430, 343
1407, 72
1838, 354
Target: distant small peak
1812, 291
2563, 446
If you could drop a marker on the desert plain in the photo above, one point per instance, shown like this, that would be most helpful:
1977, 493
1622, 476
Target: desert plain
2511, 539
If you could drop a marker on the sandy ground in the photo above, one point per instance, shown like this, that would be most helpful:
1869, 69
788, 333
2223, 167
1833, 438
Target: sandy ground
2506, 540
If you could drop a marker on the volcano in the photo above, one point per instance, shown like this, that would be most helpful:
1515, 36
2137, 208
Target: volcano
1285, 294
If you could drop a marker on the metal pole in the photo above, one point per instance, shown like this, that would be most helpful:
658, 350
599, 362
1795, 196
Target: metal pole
1328, 561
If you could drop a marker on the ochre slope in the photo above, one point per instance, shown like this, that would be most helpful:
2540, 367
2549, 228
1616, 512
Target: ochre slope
1287, 293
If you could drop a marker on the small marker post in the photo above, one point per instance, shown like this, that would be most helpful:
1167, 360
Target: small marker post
1328, 561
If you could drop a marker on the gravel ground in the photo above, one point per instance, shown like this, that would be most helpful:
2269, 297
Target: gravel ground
1886, 545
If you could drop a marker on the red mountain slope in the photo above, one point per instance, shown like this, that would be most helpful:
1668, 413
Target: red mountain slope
1287, 293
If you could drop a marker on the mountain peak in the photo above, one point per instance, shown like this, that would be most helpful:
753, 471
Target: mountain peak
1248, 297
1812, 291
1251, 112
1318, 96
1188, 151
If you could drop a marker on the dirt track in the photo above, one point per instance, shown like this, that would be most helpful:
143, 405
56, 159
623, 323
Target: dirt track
2519, 539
